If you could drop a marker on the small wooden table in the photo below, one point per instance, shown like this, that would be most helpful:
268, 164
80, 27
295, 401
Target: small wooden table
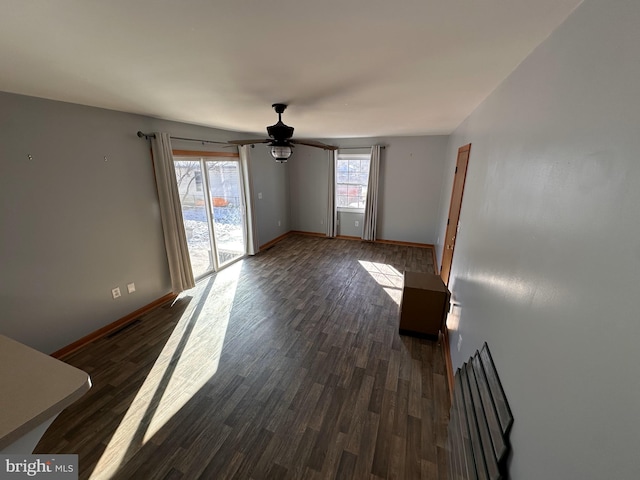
424, 305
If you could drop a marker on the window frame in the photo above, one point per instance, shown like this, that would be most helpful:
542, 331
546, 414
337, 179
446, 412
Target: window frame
347, 157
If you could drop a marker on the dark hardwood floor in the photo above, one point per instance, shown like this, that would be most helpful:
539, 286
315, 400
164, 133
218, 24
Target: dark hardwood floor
284, 365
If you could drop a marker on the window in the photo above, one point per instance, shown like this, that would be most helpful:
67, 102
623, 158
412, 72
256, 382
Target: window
352, 177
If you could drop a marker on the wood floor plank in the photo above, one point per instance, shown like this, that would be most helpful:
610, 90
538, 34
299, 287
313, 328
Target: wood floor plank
382, 453
360, 416
287, 364
329, 430
392, 371
367, 446
346, 466
199, 454
276, 472
413, 452
303, 452
397, 463
402, 405
347, 414
377, 395
173, 474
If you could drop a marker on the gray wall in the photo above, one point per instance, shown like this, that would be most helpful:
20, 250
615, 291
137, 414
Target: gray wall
73, 225
411, 187
308, 186
411, 170
271, 180
547, 264
347, 224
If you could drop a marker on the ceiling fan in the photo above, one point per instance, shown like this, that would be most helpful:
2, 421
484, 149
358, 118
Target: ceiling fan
280, 139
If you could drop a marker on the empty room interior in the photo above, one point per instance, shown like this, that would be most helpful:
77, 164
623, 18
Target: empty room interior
230, 296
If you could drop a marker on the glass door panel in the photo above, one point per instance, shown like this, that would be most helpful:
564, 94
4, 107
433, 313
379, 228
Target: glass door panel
228, 209
194, 213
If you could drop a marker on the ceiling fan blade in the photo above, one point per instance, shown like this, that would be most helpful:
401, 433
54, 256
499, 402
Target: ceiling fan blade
314, 143
248, 142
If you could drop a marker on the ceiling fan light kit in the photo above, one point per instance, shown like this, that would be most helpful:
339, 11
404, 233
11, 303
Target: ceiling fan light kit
280, 139
281, 152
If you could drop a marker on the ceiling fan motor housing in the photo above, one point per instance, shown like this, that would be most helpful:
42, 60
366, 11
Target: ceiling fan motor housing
280, 131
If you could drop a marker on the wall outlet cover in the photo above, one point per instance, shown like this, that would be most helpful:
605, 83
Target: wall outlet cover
115, 292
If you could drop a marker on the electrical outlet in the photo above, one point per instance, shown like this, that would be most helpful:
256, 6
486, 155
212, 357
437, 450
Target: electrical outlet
322, 222
459, 342
131, 287
259, 195
279, 223
115, 292
357, 223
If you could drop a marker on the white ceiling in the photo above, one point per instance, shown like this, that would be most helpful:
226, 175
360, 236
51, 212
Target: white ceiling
347, 68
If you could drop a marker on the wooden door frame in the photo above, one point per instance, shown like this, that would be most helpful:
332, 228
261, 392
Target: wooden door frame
464, 149
445, 331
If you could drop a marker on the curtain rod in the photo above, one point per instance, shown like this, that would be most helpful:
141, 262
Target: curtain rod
153, 135
147, 136
359, 148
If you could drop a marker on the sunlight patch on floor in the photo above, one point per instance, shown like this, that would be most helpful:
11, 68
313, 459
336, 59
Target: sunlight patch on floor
188, 360
389, 278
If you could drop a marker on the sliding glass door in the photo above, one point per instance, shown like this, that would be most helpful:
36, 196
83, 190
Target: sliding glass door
228, 209
212, 199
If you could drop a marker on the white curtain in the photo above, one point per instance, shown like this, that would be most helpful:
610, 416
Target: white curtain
371, 205
332, 214
250, 211
175, 239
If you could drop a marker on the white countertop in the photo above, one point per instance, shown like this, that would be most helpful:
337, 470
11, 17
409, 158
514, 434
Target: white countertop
33, 388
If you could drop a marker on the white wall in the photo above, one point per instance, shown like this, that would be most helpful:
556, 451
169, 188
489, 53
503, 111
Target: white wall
410, 188
73, 225
547, 262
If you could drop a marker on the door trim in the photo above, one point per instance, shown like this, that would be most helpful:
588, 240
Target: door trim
446, 272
